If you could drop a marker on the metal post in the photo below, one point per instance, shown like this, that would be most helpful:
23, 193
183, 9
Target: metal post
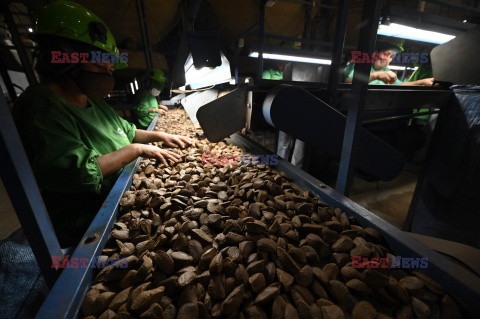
17, 41
237, 54
366, 43
142, 19
25, 196
7, 81
261, 31
338, 43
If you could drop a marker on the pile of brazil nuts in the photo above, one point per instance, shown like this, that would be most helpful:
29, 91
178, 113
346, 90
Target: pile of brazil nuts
211, 241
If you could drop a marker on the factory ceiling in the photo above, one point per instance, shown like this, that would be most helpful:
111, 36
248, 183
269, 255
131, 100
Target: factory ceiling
312, 19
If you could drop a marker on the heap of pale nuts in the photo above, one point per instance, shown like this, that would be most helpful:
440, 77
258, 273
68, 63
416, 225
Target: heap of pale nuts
245, 242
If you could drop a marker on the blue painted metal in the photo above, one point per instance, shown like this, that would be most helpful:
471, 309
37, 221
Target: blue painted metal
338, 44
25, 196
458, 282
66, 296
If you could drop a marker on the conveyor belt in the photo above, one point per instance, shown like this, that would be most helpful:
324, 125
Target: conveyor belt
66, 296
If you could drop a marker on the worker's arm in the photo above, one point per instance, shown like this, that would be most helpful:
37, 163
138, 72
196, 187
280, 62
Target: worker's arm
388, 77
142, 136
425, 82
112, 162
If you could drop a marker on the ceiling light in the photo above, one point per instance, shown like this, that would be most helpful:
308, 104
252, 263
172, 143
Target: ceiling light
406, 32
30, 30
136, 84
464, 21
131, 86
285, 57
202, 77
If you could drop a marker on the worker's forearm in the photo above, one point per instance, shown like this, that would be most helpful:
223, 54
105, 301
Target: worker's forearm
142, 136
419, 82
112, 162
152, 110
372, 77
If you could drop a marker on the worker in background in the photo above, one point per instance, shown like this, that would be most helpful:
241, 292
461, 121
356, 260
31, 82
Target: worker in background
274, 70
386, 48
76, 143
146, 105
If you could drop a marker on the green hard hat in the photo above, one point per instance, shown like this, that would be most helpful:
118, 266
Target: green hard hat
158, 76
68, 19
389, 43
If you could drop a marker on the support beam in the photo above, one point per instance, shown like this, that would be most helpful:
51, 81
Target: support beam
261, 31
338, 44
17, 41
7, 81
142, 20
25, 196
366, 43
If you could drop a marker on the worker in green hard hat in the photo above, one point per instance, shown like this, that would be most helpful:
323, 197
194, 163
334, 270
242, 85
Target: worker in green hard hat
76, 143
146, 106
385, 50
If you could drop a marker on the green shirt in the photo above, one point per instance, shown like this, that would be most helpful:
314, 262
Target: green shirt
272, 74
143, 103
349, 70
63, 142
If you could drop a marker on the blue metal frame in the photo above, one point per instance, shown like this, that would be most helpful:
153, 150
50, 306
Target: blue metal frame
25, 196
66, 296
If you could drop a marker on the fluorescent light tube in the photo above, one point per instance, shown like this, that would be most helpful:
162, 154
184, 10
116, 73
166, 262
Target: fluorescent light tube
285, 57
136, 85
401, 68
406, 32
131, 86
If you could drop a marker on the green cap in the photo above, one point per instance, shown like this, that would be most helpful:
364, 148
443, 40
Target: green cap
389, 43
68, 19
158, 77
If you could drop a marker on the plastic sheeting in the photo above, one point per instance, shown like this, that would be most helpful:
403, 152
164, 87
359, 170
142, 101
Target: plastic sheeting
449, 204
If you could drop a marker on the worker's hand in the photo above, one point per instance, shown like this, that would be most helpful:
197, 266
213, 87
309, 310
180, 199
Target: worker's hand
149, 151
426, 82
175, 140
161, 112
388, 77
163, 107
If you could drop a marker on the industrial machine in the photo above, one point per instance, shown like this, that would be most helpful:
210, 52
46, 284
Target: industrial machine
275, 104
329, 117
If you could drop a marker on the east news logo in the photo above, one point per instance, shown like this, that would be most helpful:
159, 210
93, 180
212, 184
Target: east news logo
394, 262
86, 57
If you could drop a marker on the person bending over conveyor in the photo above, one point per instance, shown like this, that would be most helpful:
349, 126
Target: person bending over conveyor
386, 48
146, 105
76, 143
